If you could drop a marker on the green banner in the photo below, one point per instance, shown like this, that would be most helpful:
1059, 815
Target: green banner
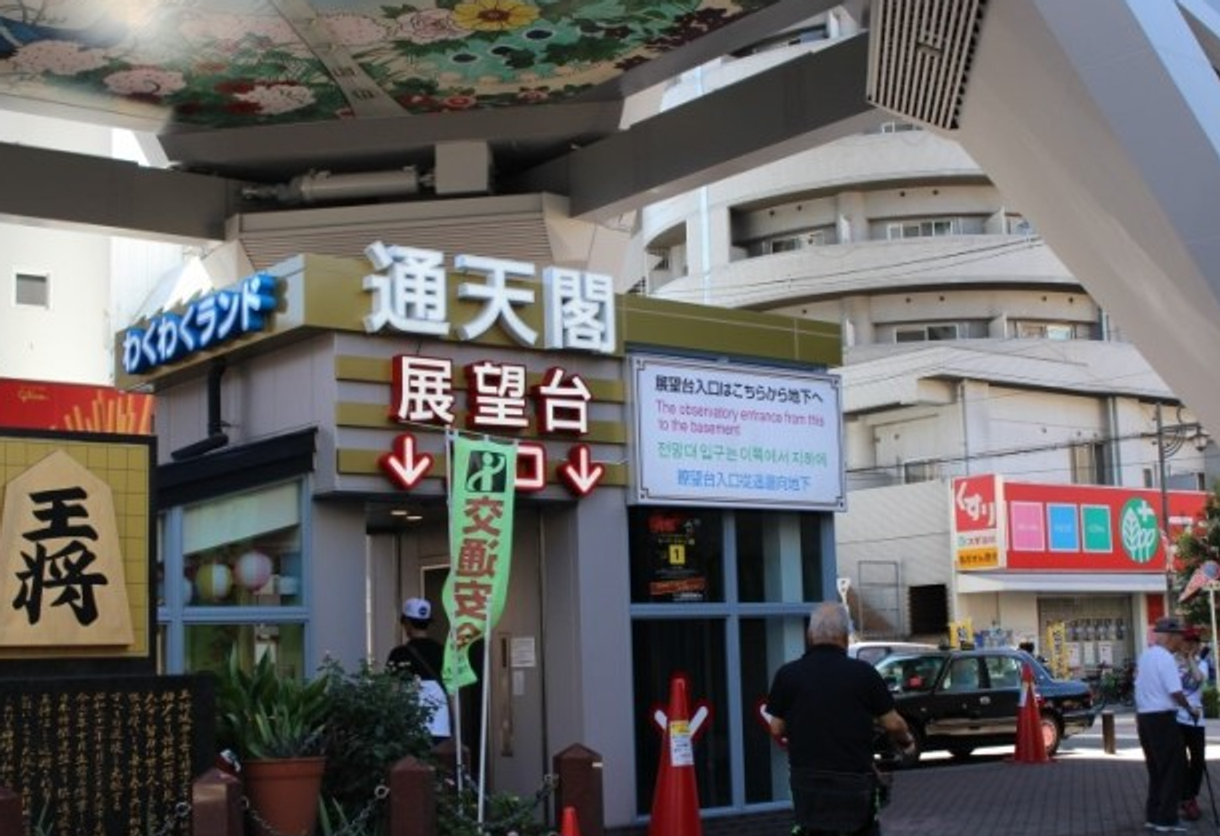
481, 492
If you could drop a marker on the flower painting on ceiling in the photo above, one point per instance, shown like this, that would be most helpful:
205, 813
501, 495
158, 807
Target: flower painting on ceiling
228, 63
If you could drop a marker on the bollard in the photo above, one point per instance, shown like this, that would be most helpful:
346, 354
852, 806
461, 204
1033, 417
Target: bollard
10, 812
579, 770
446, 755
215, 804
1107, 732
412, 799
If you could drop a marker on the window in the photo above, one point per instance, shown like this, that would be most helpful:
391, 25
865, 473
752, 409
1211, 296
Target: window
919, 472
33, 290
1003, 671
783, 245
721, 597
925, 333
963, 675
790, 242
1045, 330
239, 567
1090, 464
820, 237
922, 229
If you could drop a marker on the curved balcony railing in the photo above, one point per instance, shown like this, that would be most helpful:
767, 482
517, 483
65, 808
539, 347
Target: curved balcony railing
838, 270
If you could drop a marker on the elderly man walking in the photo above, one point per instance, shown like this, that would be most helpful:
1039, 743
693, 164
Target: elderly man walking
827, 706
1158, 696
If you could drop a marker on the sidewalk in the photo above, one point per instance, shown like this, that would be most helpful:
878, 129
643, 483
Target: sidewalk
1082, 792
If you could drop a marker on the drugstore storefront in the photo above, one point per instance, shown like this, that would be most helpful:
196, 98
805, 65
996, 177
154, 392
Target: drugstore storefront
1080, 570
678, 470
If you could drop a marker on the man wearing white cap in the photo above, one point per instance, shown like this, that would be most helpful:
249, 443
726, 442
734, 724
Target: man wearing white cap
423, 657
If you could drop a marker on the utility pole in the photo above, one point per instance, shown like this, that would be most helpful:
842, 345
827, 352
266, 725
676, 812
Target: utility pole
1161, 478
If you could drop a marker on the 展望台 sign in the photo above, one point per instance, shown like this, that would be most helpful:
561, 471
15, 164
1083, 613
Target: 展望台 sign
717, 434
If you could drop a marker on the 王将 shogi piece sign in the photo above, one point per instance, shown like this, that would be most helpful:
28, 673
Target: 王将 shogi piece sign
75, 549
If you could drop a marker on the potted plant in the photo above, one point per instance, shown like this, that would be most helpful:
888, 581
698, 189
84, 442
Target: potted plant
276, 726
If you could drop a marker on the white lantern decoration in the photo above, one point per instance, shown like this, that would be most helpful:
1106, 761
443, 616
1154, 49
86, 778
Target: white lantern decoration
213, 581
253, 570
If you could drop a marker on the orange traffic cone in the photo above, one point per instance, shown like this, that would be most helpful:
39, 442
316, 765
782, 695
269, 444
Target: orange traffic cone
675, 803
1031, 747
571, 827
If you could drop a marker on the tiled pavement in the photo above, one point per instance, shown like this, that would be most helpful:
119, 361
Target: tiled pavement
1082, 792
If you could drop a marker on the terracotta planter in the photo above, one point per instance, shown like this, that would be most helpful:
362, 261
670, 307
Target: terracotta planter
283, 794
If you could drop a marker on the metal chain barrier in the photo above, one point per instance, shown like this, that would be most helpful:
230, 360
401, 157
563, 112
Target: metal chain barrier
178, 818
505, 825
355, 827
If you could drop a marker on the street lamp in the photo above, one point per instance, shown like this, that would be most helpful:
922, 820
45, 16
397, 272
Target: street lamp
1178, 434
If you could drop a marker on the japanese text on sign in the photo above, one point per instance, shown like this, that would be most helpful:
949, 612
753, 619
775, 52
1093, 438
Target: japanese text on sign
715, 434
410, 294
498, 398
480, 542
207, 322
62, 569
61, 557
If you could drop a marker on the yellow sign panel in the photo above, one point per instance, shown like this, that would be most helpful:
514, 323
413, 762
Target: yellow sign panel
968, 559
1055, 650
961, 634
74, 548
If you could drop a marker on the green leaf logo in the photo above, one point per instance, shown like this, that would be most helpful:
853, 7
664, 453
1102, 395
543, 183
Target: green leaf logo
1138, 525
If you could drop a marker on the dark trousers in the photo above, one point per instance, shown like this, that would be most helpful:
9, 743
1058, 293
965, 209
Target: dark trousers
1196, 747
1165, 759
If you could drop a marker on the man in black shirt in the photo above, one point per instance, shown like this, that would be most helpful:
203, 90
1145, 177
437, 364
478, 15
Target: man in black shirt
827, 706
423, 657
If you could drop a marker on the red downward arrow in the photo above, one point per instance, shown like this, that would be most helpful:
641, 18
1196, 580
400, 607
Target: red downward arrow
405, 468
581, 474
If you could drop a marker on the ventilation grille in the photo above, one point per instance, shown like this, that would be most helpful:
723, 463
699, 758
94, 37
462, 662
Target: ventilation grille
522, 237
919, 57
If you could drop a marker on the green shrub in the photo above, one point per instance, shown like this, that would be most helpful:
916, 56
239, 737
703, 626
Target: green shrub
374, 719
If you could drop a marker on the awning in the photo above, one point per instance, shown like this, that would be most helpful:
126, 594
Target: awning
969, 582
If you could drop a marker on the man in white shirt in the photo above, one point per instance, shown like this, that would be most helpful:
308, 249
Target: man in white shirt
1158, 696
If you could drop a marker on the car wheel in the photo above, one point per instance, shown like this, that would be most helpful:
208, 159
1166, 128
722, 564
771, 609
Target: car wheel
1051, 734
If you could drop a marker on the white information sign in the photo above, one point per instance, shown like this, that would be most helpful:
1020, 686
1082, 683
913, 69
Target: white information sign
719, 434
681, 752
522, 652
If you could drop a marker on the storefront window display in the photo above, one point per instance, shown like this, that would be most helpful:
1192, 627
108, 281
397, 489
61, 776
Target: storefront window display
238, 561
720, 597
244, 550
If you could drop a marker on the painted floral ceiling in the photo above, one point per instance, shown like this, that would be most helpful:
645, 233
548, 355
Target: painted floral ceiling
238, 63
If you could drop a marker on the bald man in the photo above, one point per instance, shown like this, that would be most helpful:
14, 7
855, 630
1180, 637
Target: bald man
828, 705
